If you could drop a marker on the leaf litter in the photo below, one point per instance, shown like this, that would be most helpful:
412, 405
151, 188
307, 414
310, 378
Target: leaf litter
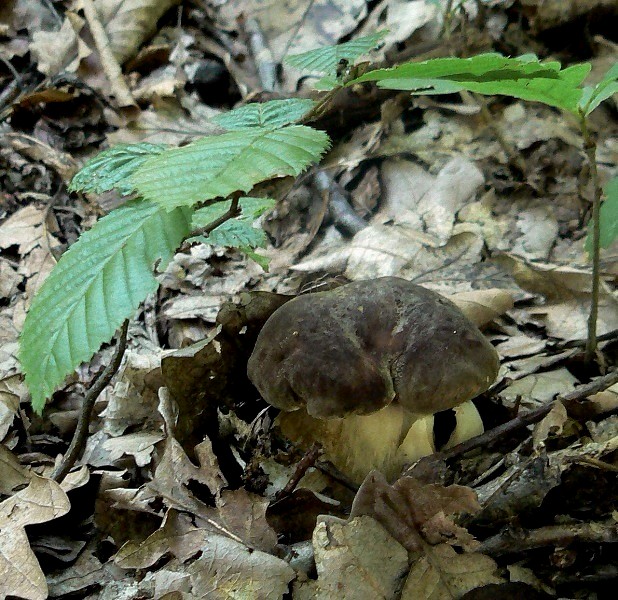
181, 492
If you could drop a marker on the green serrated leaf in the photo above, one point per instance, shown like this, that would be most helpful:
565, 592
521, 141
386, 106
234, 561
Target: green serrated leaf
219, 165
608, 217
261, 260
606, 88
275, 113
238, 232
325, 60
98, 283
109, 169
488, 74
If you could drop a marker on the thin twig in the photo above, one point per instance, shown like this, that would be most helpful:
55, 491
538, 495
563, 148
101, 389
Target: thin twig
528, 418
111, 68
81, 431
232, 212
591, 152
510, 541
307, 461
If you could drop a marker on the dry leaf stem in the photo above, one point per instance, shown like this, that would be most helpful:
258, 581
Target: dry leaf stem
111, 68
510, 541
81, 431
591, 152
529, 418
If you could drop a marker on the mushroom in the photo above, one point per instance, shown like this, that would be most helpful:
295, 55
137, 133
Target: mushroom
362, 369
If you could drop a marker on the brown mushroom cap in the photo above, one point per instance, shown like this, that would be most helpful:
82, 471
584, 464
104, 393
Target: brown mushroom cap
355, 349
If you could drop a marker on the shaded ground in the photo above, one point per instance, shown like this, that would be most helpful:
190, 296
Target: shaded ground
180, 492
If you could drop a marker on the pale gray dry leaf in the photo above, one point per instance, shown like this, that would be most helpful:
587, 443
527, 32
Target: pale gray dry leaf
538, 229
517, 346
567, 297
539, 388
402, 19
62, 50
9, 279
428, 203
140, 445
526, 124
355, 560
227, 569
24, 228
441, 574
128, 23
133, 400
20, 573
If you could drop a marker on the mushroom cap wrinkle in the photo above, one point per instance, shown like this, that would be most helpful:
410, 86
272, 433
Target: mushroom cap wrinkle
366, 345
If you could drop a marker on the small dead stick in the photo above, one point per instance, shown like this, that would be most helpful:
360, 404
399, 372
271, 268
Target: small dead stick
510, 541
307, 461
110, 65
528, 418
81, 431
232, 212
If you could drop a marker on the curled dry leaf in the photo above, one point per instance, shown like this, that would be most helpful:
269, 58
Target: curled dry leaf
415, 513
355, 560
20, 573
483, 306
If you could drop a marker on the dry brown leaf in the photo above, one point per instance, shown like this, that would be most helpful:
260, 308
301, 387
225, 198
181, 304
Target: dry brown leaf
129, 23
442, 574
567, 297
483, 306
415, 513
551, 424
20, 574
62, 50
355, 560
539, 388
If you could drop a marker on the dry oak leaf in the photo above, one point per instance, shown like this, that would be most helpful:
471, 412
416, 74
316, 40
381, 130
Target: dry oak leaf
20, 573
414, 512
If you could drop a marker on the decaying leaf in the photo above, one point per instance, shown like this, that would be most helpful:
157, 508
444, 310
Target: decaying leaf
355, 560
414, 513
20, 574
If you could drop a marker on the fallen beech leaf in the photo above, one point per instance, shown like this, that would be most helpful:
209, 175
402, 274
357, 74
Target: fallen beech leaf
483, 306
415, 513
441, 573
355, 560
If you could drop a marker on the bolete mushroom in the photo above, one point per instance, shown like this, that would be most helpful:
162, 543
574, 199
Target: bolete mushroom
363, 368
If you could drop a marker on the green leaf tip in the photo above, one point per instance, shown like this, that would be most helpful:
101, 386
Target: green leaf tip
218, 165
326, 59
525, 77
98, 283
274, 113
608, 217
110, 168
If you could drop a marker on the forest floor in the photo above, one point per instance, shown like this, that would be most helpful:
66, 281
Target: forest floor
186, 488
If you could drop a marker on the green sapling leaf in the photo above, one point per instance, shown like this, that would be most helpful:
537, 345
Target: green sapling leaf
109, 169
326, 59
218, 165
98, 283
608, 217
275, 113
